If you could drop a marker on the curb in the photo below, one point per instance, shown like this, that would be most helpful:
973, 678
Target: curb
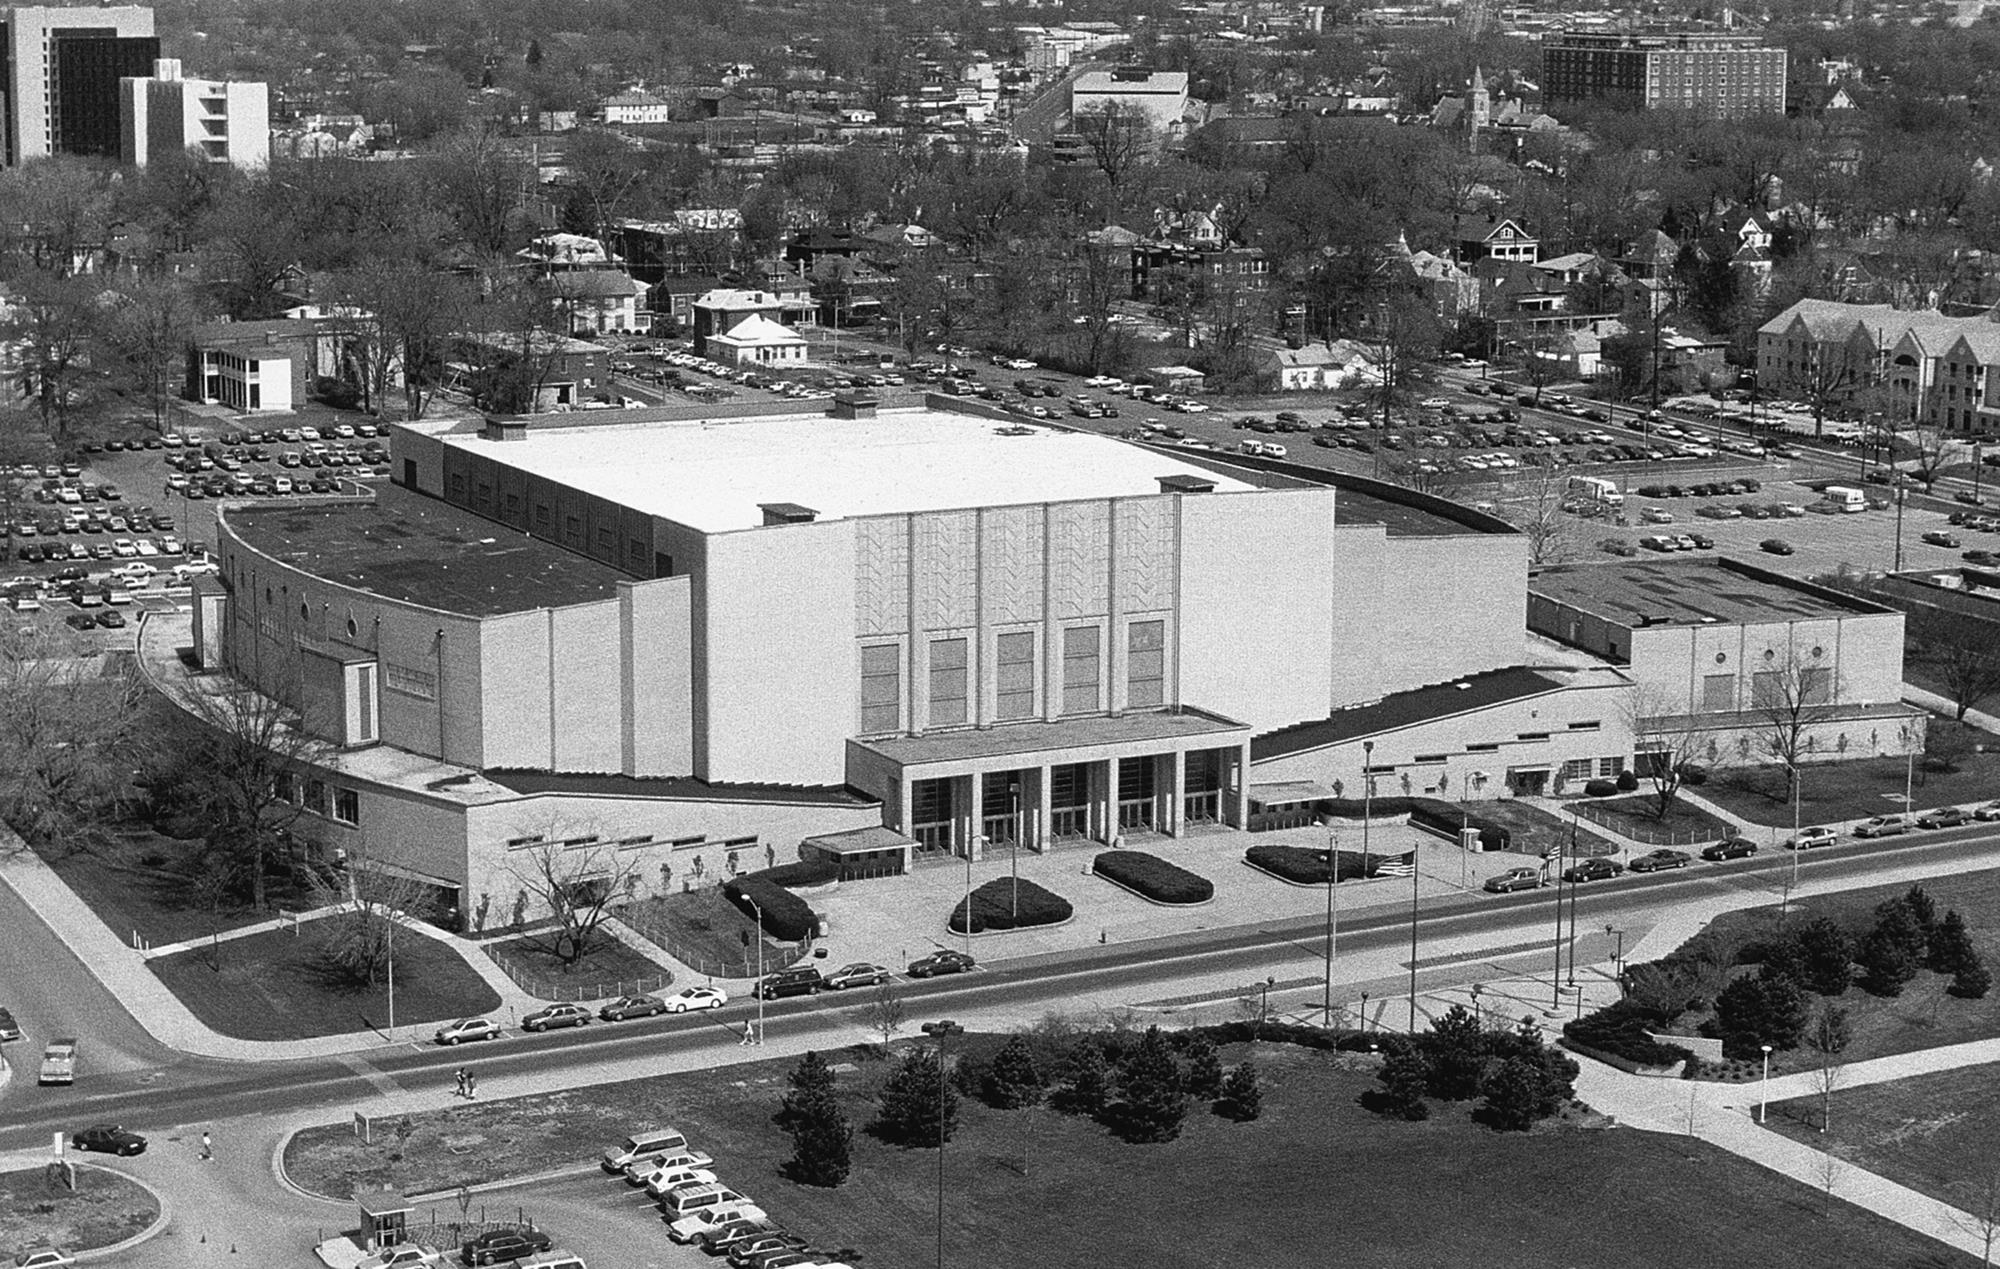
284, 1176
159, 1222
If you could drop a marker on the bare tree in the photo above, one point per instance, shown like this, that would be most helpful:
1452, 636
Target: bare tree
885, 1012
1960, 652
576, 876
67, 729
1401, 345
1933, 448
358, 940
1826, 1039
1980, 1216
1786, 696
1538, 360
52, 323
1539, 513
147, 333
1119, 137
1664, 746
1831, 381
1828, 1168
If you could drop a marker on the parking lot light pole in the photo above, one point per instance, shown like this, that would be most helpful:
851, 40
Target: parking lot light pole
1332, 916
1416, 880
1367, 801
1013, 851
980, 840
758, 991
1764, 1091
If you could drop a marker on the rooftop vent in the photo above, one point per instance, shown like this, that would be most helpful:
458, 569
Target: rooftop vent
505, 427
855, 405
787, 513
1185, 484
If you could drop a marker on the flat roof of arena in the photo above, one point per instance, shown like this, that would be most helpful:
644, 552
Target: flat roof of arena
1717, 590
717, 475
404, 546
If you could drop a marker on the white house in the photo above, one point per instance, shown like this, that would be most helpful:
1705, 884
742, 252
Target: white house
757, 340
1340, 364
601, 301
636, 108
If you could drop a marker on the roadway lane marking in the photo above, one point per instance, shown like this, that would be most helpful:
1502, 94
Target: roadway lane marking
381, 1083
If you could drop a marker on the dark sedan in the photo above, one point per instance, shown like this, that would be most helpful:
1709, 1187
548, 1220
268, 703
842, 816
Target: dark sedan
108, 1139
1943, 817
497, 1245
945, 961
1593, 870
632, 1007
1659, 859
1729, 848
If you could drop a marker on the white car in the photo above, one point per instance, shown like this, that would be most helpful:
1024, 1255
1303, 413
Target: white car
688, 998
124, 548
640, 1171
742, 1209
466, 1029
43, 1258
401, 1256
146, 547
660, 1180
343, 431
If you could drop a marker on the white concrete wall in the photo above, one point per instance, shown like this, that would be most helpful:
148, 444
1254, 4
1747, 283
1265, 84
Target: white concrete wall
1863, 651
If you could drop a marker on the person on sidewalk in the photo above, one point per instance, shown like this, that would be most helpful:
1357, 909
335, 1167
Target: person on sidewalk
458, 1089
749, 1034
207, 1149
471, 1086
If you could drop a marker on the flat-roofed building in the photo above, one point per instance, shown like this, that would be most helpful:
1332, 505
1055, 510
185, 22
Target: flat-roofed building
226, 123
1159, 97
1653, 69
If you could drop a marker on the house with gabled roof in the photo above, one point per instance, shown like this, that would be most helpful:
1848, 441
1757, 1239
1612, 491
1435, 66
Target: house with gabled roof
1497, 238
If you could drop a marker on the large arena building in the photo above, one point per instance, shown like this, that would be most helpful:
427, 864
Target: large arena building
889, 632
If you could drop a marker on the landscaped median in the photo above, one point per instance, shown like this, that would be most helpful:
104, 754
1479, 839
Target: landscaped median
1007, 903
1152, 878
106, 1208
1308, 866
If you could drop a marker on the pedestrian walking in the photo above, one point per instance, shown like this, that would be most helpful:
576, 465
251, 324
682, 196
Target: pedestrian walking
471, 1086
749, 1033
207, 1149
459, 1089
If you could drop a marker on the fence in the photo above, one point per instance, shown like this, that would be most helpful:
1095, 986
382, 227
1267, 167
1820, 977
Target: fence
648, 920
556, 987
1637, 832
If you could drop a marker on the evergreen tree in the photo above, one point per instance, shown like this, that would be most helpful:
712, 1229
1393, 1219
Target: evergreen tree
1753, 1011
1826, 957
1089, 1090
812, 1086
1405, 1077
1153, 1099
1204, 1071
1456, 1048
1013, 1079
1242, 1099
822, 1145
1923, 910
1893, 951
918, 1105
1972, 980
1951, 946
1527, 1088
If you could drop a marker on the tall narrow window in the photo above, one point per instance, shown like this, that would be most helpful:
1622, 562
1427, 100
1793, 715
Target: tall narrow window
881, 689
1014, 683
1146, 664
1080, 670
947, 682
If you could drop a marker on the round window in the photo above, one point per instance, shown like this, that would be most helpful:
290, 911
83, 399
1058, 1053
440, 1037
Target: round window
1721, 657
1770, 654
1819, 652
305, 612
352, 628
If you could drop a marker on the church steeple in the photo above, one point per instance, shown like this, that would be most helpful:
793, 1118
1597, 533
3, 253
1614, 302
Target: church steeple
1478, 102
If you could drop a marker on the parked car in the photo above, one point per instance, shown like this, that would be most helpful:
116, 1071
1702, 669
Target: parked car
1817, 835
632, 1007
1938, 537
549, 1017
1515, 879
688, 998
108, 1139
640, 1171
468, 1029
1653, 861
1775, 546
858, 974
9, 1029
1729, 848
497, 1245
1882, 826
942, 961
718, 1239
666, 1178
1593, 870
799, 980
645, 1145
750, 1251
1991, 811
43, 1258
1943, 817
401, 1256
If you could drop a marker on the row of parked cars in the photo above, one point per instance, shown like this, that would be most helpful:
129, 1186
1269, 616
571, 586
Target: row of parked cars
565, 1014
704, 1211
804, 980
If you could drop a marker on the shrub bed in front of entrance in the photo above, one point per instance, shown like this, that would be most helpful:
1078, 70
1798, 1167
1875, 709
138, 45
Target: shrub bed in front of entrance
787, 917
1152, 877
993, 907
1306, 865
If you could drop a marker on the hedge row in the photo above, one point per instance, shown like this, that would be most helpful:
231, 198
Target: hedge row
787, 917
1153, 877
1305, 865
1620, 1030
803, 873
1423, 812
993, 907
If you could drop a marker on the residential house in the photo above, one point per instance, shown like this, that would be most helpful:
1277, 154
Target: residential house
1931, 365
554, 253
756, 340
251, 367
601, 302
1497, 238
635, 107
692, 240
1322, 366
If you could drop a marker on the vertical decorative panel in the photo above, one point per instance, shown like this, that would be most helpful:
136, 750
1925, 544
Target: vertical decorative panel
881, 575
1146, 564
1011, 564
1079, 535
946, 569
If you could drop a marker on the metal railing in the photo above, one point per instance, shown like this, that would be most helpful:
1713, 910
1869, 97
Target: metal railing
651, 923
1070, 823
1135, 813
544, 986
1639, 832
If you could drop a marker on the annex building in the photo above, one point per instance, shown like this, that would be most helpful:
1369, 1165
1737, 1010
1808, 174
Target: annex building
712, 636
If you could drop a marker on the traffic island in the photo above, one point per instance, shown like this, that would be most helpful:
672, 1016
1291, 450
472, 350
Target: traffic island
38, 1208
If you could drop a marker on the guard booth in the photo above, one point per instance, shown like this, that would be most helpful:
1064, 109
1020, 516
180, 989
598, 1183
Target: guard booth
385, 1218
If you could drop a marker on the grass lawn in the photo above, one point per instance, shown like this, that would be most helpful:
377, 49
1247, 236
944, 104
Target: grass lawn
1850, 790
1933, 1133
1924, 1016
105, 1208
271, 987
1684, 823
1316, 1171
609, 964
1536, 831
700, 928
131, 886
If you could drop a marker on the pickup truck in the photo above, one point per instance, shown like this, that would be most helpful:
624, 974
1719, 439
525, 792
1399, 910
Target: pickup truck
59, 1062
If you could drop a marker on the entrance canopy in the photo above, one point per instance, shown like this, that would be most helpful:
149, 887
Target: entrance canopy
1289, 793
861, 851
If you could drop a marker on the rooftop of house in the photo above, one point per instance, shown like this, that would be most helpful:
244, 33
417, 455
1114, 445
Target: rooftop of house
1650, 593
904, 460
404, 546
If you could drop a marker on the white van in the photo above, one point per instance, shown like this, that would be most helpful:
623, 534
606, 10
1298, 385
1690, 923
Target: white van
689, 1199
647, 1143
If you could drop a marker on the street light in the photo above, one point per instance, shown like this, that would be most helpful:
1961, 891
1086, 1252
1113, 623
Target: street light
1332, 916
1617, 956
1013, 849
1367, 801
1416, 878
980, 839
941, 1031
759, 991
1764, 1090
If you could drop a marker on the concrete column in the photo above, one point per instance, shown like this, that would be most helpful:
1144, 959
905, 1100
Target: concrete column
1037, 833
1236, 787
1171, 778
1111, 657
1103, 800
975, 804
905, 804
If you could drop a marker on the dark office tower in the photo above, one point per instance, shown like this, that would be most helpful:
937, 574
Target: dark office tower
87, 71
1728, 74
59, 72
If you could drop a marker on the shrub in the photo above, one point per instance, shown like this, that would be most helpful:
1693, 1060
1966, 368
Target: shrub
1893, 951
787, 917
1753, 1011
1293, 863
1627, 781
1620, 1029
1013, 1079
1405, 1074
1204, 1069
338, 393
1153, 877
803, 873
1153, 1099
1693, 776
1525, 1088
1242, 1099
1600, 789
1951, 947
993, 907
911, 1099
1089, 1089
1972, 981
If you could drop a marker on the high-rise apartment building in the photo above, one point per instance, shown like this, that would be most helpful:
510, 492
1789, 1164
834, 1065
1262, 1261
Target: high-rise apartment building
165, 112
59, 73
1729, 74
